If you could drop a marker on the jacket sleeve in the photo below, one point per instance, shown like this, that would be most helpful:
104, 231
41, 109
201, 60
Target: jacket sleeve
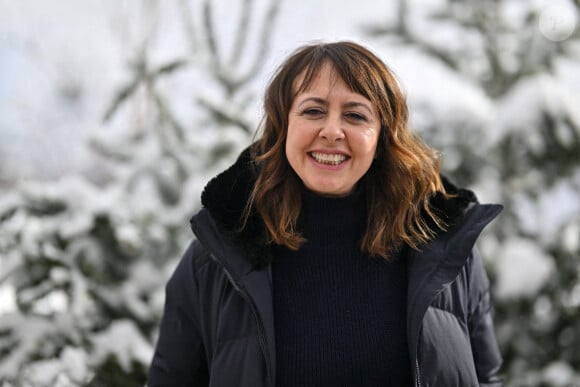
484, 345
179, 358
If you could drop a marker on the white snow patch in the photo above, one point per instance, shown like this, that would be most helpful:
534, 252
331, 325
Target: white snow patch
27, 335
558, 374
7, 299
548, 215
436, 93
69, 369
54, 302
522, 269
523, 106
123, 341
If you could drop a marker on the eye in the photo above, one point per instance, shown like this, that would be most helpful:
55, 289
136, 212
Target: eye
355, 116
313, 112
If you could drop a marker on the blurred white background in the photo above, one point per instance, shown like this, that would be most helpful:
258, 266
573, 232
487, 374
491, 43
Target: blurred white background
114, 114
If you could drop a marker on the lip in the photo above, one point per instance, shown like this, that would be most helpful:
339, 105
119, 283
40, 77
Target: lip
330, 167
330, 152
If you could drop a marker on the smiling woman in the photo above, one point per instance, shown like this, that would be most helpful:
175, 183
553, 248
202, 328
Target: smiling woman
332, 252
332, 135
311, 91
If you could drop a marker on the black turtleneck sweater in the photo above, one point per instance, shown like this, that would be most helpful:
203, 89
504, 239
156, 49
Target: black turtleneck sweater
340, 315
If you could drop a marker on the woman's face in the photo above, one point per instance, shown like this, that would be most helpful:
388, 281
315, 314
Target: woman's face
332, 135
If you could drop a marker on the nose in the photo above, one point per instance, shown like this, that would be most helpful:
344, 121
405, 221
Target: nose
331, 130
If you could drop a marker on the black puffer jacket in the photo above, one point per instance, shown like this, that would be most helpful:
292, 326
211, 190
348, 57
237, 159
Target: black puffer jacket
218, 328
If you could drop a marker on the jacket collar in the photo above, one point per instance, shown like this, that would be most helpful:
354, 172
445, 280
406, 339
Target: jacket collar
254, 284
439, 262
225, 197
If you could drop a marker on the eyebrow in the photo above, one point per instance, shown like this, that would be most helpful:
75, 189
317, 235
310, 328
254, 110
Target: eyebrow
349, 104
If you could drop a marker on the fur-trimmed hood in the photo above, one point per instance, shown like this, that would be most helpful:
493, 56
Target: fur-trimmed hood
226, 195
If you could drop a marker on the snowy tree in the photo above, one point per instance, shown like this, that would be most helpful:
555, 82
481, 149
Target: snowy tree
88, 255
494, 85
511, 132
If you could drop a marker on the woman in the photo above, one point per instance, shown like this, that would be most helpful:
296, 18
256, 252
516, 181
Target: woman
331, 253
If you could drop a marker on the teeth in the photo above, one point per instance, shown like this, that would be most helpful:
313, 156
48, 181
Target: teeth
325, 158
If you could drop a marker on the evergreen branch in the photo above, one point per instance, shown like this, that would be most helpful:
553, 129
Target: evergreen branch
165, 115
574, 129
407, 36
168, 68
242, 32
224, 115
122, 96
259, 59
210, 35
403, 18
142, 75
265, 39
121, 155
377, 30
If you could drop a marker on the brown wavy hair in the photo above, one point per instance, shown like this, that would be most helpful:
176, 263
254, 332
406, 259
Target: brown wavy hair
399, 183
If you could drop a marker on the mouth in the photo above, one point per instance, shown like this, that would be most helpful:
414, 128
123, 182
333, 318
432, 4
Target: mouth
329, 158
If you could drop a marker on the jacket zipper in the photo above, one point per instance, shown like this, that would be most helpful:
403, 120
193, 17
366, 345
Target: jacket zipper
261, 339
261, 329
417, 375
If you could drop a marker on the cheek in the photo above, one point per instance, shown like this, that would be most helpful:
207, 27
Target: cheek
296, 139
289, 142
367, 142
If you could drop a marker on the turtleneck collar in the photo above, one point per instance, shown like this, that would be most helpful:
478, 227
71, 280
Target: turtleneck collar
325, 218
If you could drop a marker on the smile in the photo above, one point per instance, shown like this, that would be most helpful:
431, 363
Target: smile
328, 158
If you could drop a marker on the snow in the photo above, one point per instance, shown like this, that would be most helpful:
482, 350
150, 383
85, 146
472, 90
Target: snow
35, 78
61, 65
573, 299
69, 369
123, 341
54, 302
522, 269
7, 299
520, 109
566, 195
436, 93
28, 335
488, 186
570, 236
524, 105
547, 215
560, 374
44, 82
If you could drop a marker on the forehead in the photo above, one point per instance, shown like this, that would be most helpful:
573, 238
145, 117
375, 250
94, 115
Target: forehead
321, 87
311, 76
